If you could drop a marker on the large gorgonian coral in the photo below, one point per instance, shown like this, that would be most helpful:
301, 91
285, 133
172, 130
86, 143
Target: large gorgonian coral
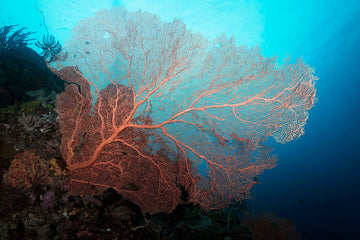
153, 105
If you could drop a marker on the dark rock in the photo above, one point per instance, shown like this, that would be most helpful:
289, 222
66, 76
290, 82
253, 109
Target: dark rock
23, 70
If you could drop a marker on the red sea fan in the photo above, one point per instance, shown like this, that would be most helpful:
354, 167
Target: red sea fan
168, 110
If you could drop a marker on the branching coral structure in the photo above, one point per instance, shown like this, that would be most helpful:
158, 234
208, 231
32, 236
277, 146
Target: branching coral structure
154, 110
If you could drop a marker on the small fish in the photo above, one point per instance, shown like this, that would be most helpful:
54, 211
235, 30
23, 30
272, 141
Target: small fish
256, 180
83, 140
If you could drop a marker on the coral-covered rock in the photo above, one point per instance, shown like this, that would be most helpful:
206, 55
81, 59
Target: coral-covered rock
26, 169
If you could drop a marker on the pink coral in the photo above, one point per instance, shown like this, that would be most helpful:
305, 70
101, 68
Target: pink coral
26, 169
173, 111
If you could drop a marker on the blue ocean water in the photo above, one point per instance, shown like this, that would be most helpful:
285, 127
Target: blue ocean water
316, 183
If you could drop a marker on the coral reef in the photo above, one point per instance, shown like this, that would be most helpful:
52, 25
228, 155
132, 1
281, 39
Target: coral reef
31, 125
25, 170
146, 172
22, 70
